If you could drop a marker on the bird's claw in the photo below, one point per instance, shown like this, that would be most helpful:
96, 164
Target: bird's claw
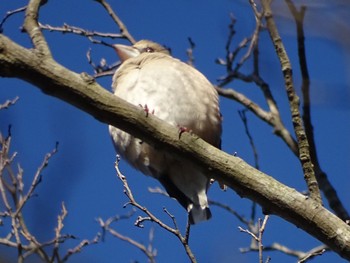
182, 130
146, 109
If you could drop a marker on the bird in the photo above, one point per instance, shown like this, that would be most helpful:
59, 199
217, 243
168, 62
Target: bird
180, 95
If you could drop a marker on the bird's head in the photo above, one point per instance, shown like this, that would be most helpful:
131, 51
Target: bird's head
142, 46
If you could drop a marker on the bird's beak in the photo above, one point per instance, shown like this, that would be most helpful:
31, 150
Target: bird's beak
124, 52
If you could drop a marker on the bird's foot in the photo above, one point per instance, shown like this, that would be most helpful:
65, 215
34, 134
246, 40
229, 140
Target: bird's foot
183, 129
222, 185
146, 109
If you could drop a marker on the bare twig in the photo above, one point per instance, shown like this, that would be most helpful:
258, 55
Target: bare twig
8, 14
58, 230
325, 185
261, 232
14, 200
255, 37
257, 235
251, 41
158, 190
80, 246
243, 116
123, 29
148, 251
253, 235
8, 103
151, 217
79, 31
102, 69
36, 180
189, 52
304, 152
172, 217
230, 210
256, 232
229, 56
150, 254
272, 117
300, 255
187, 231
317, 251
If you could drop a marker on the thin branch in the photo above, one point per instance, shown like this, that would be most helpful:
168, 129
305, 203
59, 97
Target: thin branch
231, 56
262, 227
300, 255
36, 180
272, 117
172, 217
255, 37
8, 103
20, 237
4, 162
257, 236
189, 52
245, 101
123, 29
58, 231
80, 246
79, 31
243, 116
152, 217
188, 231
158, 190
8, 14
268, 117
230, 210
317, 251
13, 189
102, 69
325, 185
304, 149
150, 253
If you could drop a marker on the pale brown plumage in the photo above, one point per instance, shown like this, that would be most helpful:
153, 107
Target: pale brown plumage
180, 95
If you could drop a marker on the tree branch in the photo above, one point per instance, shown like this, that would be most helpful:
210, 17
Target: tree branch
150, 216
31, 26
8, 103
79, 31
271, 117
81, 91
123, 29
322, 179
304, 149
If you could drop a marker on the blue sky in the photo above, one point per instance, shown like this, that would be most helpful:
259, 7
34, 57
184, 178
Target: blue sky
81, 174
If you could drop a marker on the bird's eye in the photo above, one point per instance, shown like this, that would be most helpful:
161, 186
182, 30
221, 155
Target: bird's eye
148, 50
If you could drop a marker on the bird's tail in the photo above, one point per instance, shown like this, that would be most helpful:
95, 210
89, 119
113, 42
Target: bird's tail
198, 213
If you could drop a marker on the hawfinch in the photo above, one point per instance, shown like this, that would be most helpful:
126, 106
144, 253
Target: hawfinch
180, 95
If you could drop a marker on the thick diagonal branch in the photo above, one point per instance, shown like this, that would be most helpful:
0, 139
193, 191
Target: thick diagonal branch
83, 92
